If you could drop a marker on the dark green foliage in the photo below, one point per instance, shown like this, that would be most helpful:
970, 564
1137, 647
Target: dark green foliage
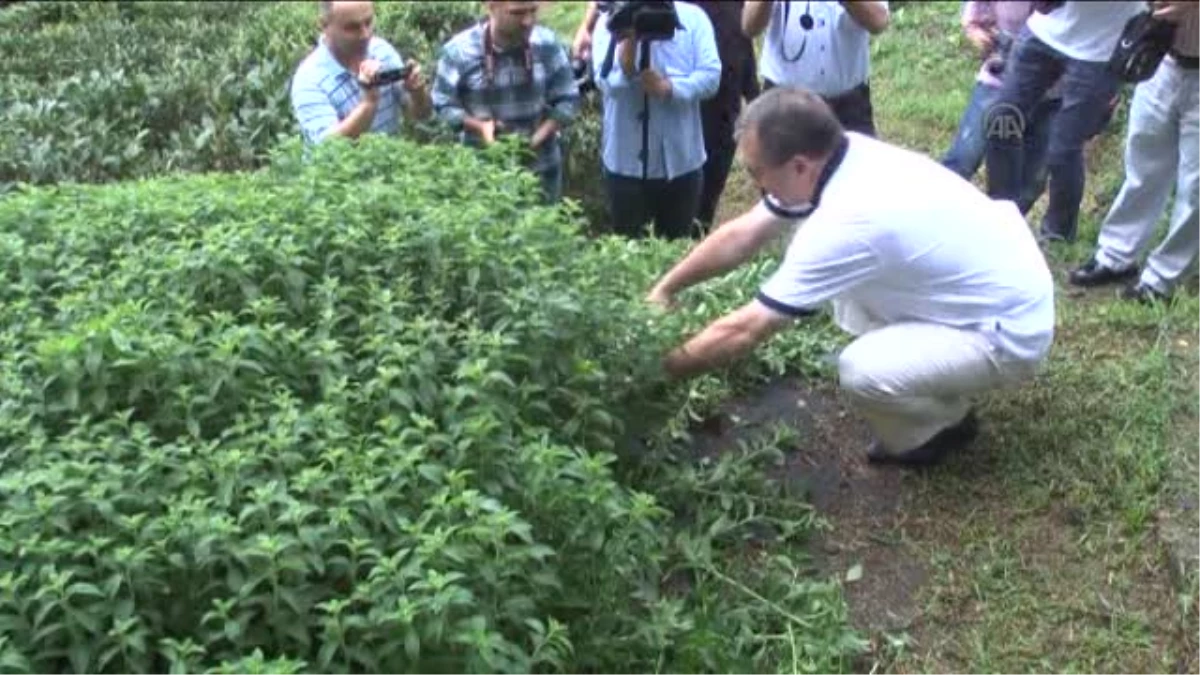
337, 417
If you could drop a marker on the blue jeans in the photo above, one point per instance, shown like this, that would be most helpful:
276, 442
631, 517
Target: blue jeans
965, 155
1087, 87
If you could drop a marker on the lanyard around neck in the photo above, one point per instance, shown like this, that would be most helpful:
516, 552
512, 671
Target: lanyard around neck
489, 55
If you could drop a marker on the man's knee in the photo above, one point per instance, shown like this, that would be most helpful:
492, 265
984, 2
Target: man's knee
859, 374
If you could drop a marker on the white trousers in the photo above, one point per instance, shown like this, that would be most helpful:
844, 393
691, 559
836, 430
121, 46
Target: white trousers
911, 380
1161, 153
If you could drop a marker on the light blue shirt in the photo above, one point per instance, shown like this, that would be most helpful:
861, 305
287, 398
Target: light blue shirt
325, 93
690, 62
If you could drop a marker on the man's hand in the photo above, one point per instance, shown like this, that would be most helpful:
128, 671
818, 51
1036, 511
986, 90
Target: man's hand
544, 132
414, 82
982, 38
655, 83
1173, 11
367, 70
488, 130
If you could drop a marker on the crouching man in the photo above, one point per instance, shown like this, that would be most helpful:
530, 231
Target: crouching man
946, 289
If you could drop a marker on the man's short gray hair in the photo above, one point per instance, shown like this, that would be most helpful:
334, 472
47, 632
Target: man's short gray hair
788, 121
324, 9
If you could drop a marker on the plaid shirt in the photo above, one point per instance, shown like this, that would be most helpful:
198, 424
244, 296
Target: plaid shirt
324, 93
518, 96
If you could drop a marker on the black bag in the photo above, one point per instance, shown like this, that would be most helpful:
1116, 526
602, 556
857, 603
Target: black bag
1143, 44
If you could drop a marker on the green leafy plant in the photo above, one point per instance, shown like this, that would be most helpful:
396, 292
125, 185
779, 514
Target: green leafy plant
333, 416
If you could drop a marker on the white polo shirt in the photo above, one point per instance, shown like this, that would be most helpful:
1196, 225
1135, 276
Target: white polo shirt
906, 239
831, 58
1085, 31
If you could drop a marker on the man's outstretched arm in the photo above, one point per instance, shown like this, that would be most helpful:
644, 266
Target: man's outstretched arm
725, 340
724, 249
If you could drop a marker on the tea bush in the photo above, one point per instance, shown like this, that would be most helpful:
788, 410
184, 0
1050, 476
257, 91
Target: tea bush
104, 91
337, 417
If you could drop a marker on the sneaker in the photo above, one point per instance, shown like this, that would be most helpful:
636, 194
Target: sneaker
1143, 293
1092, 273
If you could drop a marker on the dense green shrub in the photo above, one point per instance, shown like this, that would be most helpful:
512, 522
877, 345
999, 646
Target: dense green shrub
138, 89
335, 416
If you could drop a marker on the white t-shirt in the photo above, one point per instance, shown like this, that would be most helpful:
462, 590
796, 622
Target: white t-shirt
1085, 31
902, 238
831, 58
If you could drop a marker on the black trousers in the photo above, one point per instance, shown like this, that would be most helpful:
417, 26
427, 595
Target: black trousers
853, 108
720, 148
670, 204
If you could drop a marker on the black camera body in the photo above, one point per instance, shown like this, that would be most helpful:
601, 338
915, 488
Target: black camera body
1144, 43
390, 76
1002, 47
647, 20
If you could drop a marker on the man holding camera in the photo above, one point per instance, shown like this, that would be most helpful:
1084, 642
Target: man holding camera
509, 75
739, 80
653, 74
822, 46
353, 82
1161, 152
946, 289
1073, 41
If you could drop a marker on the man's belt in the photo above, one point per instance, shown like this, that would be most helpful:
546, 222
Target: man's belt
847, 95
1188, 62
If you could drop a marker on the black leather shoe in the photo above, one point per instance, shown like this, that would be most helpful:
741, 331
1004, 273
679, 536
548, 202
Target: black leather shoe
1092, 273
1143, 293
932, 451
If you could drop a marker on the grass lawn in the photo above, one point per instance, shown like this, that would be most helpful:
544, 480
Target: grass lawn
1047, 546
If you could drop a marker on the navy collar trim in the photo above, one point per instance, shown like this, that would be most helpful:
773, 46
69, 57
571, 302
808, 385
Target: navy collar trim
831, 166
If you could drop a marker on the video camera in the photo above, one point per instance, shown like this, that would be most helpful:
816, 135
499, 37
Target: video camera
647, 20
389, 76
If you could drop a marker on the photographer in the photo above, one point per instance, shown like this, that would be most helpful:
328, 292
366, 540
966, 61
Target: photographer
337, 90
509, 75
739, 80
991, 26
822, 46
1161, 153
1073, 41
652, 150
946, 289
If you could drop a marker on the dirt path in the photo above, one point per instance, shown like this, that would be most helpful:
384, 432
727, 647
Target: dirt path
943, 569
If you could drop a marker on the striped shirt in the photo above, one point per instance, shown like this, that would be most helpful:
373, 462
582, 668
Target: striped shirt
324, 92
520, 95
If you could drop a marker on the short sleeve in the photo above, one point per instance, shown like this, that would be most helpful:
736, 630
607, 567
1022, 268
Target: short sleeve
823, 261
314, 112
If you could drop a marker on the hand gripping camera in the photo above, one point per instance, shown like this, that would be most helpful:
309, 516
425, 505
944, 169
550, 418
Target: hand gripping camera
996, 60
647, 20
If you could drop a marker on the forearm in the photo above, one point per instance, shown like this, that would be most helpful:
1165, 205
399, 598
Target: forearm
589, 18
722, 251
871, 15
358, 121
473, 125
545, 130
756, 14
626, 54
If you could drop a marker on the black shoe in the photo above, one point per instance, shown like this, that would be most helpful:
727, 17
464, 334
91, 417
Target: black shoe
932, 451
1143, 293
1092, 273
